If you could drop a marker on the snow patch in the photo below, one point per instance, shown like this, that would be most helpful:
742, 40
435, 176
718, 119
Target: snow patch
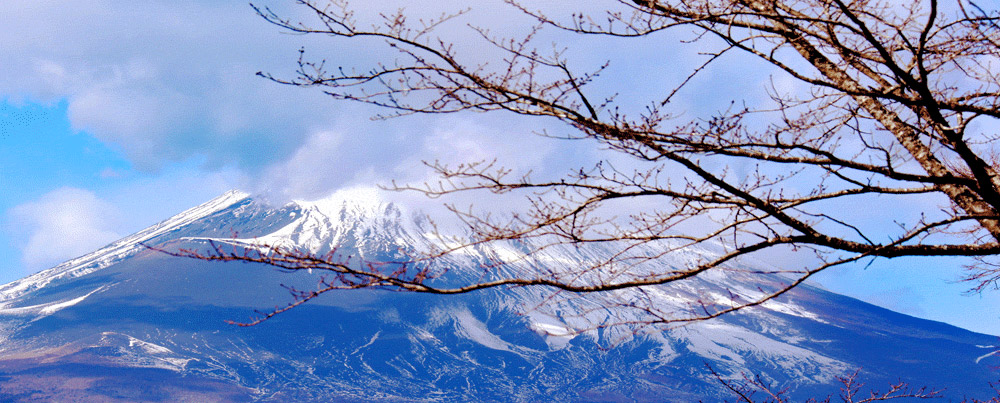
141, 353
370, 342
995, 352
789, 308
471, 328
722, 342
42, 310
557, 335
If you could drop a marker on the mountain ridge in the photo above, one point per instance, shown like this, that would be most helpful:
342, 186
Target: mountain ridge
171, 310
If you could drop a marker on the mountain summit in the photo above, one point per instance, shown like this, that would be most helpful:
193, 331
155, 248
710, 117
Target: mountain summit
130, 323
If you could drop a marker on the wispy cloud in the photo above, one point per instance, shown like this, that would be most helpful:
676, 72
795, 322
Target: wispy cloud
61, 225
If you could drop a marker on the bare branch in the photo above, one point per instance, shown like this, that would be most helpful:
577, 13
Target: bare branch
882, 117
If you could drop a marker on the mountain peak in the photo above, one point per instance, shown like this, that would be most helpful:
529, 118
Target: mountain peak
321, 225
357, 198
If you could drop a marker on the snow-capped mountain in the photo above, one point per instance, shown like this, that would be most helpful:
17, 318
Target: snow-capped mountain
130, 323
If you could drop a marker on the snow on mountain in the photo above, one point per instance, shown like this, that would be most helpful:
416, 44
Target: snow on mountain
128, 307
120, 249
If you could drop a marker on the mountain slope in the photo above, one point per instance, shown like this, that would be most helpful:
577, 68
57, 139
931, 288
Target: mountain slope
130, 323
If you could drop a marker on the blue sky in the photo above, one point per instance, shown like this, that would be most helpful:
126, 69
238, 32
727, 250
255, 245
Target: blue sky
117, 114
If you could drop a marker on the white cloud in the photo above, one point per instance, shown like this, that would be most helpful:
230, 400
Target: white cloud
464, 140
167, 81
312, 171
161, 80
62, 224
164, 81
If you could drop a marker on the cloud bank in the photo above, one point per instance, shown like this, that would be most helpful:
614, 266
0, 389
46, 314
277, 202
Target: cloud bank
162, 80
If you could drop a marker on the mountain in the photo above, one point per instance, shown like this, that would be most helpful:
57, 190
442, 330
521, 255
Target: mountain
131, 323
